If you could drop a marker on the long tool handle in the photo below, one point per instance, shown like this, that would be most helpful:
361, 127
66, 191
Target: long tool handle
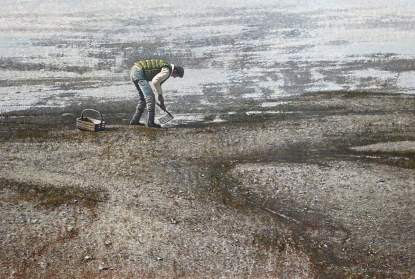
163, 109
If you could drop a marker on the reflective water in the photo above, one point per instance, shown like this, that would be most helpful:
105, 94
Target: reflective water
55, 52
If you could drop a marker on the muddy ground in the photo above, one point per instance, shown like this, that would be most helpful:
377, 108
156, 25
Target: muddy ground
323, 189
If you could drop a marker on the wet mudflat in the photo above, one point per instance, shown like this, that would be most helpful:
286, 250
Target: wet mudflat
258, 176
323, 189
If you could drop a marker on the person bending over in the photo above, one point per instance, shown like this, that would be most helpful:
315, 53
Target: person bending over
146, 75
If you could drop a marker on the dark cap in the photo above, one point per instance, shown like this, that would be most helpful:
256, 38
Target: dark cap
179, 71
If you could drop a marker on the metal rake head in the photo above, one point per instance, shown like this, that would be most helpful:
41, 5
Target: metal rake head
166, 118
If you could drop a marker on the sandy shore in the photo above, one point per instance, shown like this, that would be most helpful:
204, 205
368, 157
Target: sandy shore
324, 189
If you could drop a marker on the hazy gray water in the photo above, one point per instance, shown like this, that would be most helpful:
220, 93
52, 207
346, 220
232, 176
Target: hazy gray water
55, 52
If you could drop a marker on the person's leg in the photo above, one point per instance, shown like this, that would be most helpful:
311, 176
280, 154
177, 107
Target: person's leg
139, 76
141, 105
136, 74
150, 102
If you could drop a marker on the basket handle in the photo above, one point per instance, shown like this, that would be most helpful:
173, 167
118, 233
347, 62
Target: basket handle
100, 114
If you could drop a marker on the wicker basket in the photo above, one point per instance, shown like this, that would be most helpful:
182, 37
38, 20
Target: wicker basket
90, 124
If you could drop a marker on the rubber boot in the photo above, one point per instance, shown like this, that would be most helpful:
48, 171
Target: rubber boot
151, 111
150, 120
135, 120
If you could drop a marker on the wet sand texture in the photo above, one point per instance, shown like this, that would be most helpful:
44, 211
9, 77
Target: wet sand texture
325, 193
291, 154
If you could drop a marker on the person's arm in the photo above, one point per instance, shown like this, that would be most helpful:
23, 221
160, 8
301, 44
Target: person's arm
159, 78
161, 101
